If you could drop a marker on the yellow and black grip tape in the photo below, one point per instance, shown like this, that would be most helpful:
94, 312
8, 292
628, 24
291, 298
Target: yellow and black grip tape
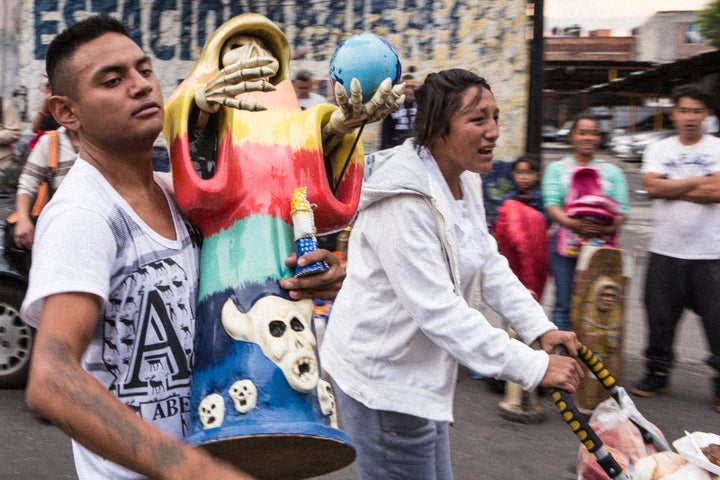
586, 434
593, 363
596, 366
577, 421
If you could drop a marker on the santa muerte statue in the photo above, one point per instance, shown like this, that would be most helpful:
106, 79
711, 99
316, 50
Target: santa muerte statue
241, 147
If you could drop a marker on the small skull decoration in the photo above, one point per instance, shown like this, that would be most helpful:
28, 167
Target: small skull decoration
212, 411
327, 401
244, 395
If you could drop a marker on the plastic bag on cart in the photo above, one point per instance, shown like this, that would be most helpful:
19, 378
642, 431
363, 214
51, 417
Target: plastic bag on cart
622, 439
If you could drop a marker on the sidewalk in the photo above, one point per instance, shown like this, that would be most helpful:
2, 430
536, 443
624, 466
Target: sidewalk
487, 447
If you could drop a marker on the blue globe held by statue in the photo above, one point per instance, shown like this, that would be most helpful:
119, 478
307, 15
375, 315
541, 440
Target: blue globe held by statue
367, 57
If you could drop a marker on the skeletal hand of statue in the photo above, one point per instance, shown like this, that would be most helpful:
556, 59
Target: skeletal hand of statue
352, 113
239, 76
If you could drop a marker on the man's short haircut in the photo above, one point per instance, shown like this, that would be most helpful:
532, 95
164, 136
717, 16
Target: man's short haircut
408, 76
694, 91
64, 45
304, 76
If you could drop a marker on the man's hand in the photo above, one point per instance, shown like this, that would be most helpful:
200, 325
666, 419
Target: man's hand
706, 192
699, 189
321, 285
24, 232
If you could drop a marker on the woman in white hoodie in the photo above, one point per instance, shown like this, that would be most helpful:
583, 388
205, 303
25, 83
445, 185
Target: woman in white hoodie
420, 260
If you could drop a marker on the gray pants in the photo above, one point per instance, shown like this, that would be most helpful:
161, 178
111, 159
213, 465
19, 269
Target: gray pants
394, 446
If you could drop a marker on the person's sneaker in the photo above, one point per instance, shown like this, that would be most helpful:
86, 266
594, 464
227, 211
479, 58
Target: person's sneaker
652, 384
495, 385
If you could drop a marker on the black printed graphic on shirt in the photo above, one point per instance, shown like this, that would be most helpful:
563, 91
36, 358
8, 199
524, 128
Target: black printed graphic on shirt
147, 341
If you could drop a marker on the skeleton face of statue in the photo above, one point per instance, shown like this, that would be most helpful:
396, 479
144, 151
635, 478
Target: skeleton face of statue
244, 395
212, 411
243, 47
282, 330
327, 401
290, 343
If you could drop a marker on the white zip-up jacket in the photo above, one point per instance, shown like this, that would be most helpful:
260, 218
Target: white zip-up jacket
403, 319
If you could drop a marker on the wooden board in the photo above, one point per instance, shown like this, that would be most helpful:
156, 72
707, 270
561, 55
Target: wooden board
600, 288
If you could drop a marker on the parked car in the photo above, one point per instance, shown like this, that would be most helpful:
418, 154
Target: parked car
16, 337
632, 147
646, 124
549, 133
621, 145
642, 140
562, 133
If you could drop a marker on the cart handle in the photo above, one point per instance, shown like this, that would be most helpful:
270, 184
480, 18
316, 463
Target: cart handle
577, 421
595, 365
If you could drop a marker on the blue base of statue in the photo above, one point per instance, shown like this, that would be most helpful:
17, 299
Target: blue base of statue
284, 435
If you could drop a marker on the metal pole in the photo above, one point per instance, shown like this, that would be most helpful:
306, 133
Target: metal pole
535, 97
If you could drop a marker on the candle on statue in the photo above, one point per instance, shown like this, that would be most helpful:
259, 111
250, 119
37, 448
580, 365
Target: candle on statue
304, 231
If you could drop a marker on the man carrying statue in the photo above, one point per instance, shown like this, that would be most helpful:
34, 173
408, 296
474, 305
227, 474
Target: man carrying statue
119, 335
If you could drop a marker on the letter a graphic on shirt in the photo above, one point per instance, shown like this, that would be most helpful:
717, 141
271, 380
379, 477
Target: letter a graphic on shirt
158, 362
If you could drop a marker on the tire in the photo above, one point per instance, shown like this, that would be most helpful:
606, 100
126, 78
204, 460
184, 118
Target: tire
16, 337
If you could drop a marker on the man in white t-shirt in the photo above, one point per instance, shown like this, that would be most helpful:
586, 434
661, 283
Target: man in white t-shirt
682, 175
114, 278
304, 87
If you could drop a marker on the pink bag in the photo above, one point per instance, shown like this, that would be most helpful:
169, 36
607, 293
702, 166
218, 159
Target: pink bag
585, 200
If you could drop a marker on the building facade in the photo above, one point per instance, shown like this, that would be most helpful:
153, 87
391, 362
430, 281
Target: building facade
486, 36
669, 36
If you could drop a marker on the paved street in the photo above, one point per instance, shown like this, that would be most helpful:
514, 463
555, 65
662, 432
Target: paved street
485, 446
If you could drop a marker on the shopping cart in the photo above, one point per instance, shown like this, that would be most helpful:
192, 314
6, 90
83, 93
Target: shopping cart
580, 425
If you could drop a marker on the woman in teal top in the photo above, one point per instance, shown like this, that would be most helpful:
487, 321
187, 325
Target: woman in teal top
585, 138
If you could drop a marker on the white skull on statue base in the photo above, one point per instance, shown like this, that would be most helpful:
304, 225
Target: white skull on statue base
282, 329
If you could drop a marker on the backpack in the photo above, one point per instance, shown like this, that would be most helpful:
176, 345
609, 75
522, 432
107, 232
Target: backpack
586, 200
19, 258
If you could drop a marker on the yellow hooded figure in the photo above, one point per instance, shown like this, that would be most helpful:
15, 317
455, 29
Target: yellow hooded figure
240, 146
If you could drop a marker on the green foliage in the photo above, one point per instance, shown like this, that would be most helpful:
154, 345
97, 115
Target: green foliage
709, 22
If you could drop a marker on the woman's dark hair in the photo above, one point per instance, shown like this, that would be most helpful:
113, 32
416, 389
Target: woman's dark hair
583, 116
64, 45
438, 99
532, 159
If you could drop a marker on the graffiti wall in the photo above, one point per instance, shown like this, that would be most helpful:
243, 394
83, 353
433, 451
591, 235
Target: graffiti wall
487, 36
10, 42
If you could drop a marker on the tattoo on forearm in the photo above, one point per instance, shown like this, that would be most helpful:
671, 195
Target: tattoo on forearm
80, 388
